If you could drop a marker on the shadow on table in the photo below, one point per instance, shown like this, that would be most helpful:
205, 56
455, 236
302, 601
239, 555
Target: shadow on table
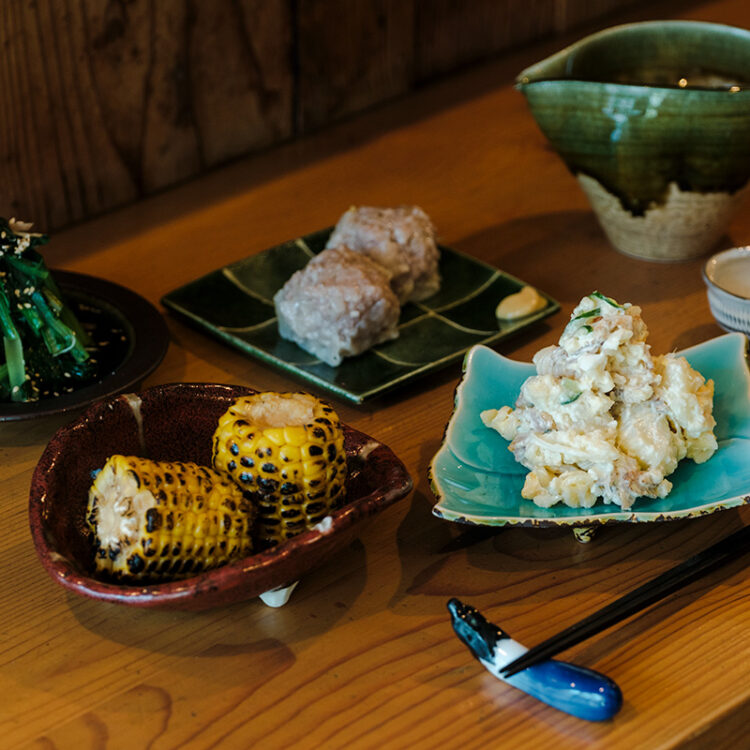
243, 628
511, 573
566, 254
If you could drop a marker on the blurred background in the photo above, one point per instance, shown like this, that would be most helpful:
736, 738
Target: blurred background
107, 101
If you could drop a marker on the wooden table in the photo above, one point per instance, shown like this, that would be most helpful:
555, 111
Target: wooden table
363, 655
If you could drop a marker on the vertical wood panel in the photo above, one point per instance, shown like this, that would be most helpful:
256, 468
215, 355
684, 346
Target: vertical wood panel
573, 13
351, 55
169, 140
105, 101
244, 103
452, 33
60, 165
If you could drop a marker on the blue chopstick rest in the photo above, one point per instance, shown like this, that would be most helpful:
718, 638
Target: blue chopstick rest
576, 690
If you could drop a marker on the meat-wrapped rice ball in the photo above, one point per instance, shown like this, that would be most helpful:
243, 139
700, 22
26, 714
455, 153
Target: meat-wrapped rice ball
400, 239
338, 305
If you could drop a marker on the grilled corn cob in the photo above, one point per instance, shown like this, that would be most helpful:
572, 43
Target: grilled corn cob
287, 451
159, 520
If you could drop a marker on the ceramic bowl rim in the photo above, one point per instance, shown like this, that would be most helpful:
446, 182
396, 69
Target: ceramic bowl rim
708, 270
149, 343
734, 343
192, 592
522, 79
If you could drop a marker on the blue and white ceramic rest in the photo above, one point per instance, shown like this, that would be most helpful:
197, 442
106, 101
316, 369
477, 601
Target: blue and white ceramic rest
477, 481
576, 690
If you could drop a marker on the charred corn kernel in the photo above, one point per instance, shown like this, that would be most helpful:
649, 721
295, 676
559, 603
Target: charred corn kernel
287, 451
160, 520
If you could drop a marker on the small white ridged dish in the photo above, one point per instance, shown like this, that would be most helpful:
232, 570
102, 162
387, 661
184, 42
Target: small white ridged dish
727, 277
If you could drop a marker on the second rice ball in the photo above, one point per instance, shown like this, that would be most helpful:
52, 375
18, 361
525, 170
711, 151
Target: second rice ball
401, 239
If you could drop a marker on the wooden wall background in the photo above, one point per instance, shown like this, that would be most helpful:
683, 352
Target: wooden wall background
103, 102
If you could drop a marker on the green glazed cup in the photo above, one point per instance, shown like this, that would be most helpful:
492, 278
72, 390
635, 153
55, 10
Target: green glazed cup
653, 119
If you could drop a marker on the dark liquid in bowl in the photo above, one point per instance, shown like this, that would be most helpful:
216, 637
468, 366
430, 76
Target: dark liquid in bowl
700, 79
112, 342
110, 337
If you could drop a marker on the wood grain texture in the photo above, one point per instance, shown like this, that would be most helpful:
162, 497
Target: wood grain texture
573, 13
351, 56
363, 656
450, 38
108, 101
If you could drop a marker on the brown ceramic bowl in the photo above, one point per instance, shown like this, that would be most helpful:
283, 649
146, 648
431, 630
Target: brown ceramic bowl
177, 423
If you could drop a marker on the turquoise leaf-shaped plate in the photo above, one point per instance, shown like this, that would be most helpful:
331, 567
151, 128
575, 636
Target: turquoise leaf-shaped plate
235, 305
477, 480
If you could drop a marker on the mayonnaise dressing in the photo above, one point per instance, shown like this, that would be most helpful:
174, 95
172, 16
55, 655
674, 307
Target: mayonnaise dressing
603, 418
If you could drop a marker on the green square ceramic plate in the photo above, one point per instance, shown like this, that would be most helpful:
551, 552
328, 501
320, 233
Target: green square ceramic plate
477, 481
235, 304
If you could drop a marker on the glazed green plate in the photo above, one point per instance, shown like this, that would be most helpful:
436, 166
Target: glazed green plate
235, 304
477, 481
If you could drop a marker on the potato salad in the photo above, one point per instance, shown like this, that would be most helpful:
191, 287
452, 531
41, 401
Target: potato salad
603, 418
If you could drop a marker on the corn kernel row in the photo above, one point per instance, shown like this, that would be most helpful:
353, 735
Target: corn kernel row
279, 468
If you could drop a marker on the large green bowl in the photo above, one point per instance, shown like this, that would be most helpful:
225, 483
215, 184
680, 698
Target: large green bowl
654, 120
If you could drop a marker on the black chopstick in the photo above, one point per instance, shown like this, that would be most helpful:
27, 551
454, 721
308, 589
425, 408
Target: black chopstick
644, 596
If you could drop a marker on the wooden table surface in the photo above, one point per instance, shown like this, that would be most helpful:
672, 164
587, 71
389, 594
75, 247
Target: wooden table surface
364, 656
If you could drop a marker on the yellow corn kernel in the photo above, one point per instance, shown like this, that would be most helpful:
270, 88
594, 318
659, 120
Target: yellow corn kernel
158, 521
294, 483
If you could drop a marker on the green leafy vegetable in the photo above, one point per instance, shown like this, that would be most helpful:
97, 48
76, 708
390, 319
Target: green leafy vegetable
590, 314
608, 300
44, 345
570, 391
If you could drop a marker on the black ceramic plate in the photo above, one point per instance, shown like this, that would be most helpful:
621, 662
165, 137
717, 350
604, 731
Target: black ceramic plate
235, 304
134, 335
